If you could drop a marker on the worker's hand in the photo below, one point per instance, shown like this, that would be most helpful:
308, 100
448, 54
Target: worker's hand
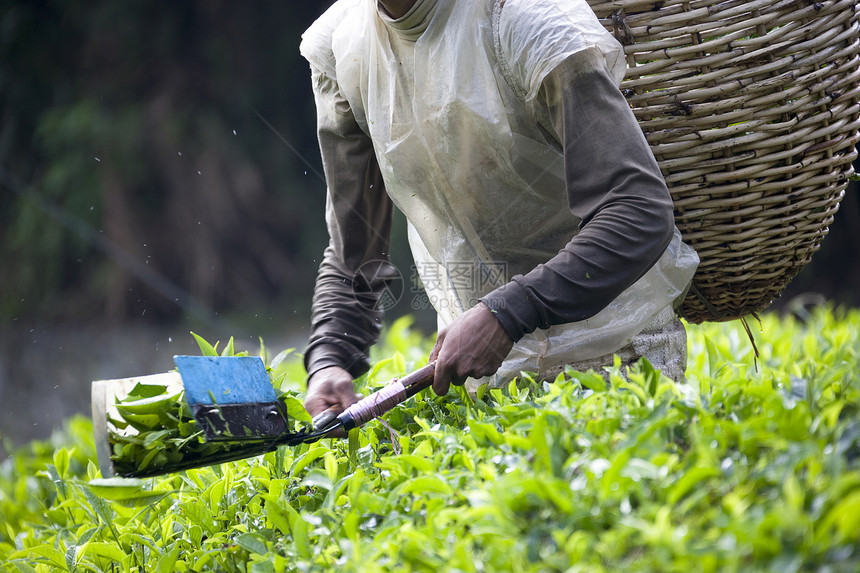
330, 389
473, 345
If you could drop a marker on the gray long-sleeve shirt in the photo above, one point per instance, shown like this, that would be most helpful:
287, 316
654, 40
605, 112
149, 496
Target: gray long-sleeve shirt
613, 185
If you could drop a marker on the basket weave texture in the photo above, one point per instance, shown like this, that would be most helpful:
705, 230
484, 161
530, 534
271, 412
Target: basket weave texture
751, 109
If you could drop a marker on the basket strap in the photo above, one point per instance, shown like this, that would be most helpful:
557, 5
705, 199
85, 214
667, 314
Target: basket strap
708, 304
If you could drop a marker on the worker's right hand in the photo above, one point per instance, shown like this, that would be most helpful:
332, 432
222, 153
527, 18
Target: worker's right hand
330, 389
475, 344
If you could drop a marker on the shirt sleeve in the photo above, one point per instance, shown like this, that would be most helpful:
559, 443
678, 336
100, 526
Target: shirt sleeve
613, 185
355, 270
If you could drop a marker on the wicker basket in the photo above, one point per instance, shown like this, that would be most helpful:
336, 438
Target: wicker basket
751, 108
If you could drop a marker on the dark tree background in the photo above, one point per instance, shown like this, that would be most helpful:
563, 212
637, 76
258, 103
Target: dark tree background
159, 158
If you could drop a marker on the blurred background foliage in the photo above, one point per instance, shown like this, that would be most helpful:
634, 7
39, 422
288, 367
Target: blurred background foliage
155, 152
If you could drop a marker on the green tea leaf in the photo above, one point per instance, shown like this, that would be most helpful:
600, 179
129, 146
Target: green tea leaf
317, 478
128, 492
142, 390
228, 348
167, 562
296, 409
205, 348
280, 358
690, 479
72, 558
61, 462
42, 550
118, 488
845, 516
149, 405
713, 357
252, 543
107, 550
424, 485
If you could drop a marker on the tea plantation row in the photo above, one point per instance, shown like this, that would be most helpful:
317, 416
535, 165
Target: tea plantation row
753, 465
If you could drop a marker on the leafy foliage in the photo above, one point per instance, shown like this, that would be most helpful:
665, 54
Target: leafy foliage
744, 467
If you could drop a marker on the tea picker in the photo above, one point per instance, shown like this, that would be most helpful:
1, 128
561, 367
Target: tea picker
235, 409
750, 109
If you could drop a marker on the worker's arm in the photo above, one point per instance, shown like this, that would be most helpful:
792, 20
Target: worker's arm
355, 270
614, 186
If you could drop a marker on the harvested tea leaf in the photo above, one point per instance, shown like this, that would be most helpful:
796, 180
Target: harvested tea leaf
117, 487
145, 391
130, 492
156, 433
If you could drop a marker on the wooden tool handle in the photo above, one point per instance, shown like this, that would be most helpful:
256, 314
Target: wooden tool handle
419, 380
412, 384
387, 397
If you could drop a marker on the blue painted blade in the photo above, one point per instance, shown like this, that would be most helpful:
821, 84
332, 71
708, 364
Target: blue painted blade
227, 379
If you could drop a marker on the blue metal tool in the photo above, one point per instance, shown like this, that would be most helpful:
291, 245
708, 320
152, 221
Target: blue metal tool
224, 379
233, 401
231, 397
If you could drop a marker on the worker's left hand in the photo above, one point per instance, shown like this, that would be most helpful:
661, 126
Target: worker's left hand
330, 390
473, 345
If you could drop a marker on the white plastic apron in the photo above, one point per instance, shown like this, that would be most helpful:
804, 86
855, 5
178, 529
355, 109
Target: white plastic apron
483, 191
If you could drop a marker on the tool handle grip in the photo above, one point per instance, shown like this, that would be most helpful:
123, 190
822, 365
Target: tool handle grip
387, 397
419, 380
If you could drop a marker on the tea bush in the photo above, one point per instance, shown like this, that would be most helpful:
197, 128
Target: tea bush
752, 465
